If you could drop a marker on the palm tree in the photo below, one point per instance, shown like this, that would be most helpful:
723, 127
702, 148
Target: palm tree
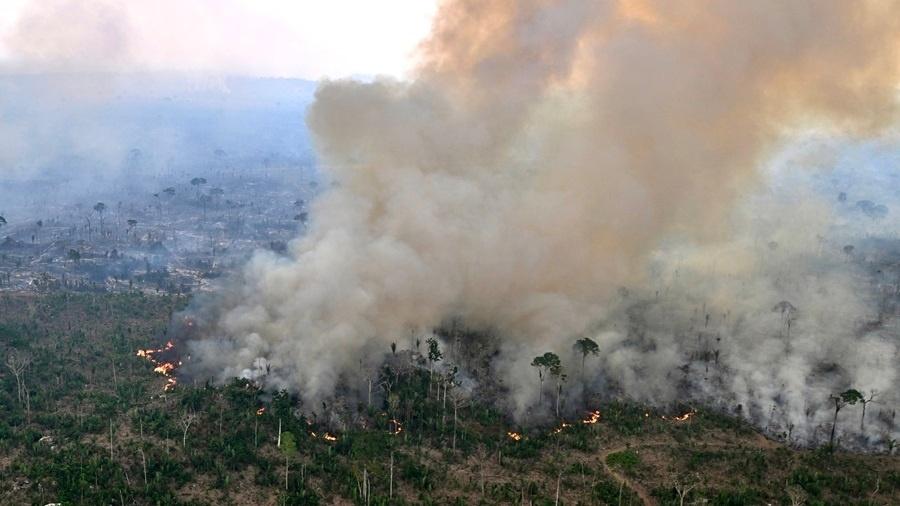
586, 346
198, 182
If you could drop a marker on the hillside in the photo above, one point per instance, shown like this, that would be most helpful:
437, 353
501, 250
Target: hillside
95, 425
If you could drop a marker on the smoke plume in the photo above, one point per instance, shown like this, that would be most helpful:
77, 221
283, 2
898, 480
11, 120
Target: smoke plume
542, 157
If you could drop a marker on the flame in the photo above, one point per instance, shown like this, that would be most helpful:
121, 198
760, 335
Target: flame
260, 411
515, 436
593, 418
686, 416
682, 418
397, 427
327, 436
162, 367
561, 427
170, 384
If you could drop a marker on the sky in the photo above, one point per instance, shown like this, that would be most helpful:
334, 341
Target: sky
309, 39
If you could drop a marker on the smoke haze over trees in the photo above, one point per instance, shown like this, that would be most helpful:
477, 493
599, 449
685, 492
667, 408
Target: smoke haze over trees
564, 169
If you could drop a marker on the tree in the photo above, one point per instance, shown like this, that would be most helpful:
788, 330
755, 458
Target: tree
547, 363
288, 449
684, 484
100, 207
787, 311
865, 402
74, 255
560, 379
131, 224
198, 182
796, 495
586, 346
845, 398
434, 355
187, 418
17, 362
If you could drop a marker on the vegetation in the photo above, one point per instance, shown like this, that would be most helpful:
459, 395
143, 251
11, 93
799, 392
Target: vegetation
84, 420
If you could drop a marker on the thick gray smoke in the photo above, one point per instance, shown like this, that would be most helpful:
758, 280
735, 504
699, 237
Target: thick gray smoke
548, 153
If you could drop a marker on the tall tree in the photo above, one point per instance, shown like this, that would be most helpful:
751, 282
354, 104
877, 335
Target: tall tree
546, 364
586, 346
865, 402
17, 362
100, 207
187, 419
434, 355
288, 449
198, 182
845, 398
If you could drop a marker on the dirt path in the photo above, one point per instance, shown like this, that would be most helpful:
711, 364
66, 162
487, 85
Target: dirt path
639, 489
633, 485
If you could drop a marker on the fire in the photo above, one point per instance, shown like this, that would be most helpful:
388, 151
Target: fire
682, 418
561, 427
329, 437
397, 427
593, 418
162, 367
685, 417
260, 411
515, 436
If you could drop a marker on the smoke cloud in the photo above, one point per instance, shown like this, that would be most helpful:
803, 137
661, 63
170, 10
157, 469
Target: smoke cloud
547, 153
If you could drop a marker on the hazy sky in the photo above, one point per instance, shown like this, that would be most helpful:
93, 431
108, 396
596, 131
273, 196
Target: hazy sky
285, 38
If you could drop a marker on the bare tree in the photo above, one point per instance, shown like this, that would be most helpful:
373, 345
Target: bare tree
865, 401
17, 362
187, 418
684, 485
796, 495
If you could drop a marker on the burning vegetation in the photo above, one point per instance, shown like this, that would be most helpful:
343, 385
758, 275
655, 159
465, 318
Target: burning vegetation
163, 363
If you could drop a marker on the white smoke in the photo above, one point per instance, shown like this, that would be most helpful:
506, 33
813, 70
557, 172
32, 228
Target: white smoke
543, 153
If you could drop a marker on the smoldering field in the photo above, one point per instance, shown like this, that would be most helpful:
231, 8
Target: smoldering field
672, 182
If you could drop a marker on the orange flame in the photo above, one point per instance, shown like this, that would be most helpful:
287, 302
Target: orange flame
260, 411
329, 437
561, 428
161, 367
397, 427
593, 418
685, 417
515, 436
